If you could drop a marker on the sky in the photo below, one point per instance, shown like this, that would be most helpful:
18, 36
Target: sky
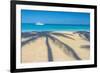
54, 17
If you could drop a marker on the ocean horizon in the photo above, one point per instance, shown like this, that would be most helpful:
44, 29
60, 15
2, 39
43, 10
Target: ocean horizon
28, 27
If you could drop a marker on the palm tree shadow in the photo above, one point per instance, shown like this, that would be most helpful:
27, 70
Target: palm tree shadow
83, 34
50, 57
67, 49
29, 40
65, 36
27, 34
85, 47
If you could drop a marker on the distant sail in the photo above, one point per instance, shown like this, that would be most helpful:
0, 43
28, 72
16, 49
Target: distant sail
39, 23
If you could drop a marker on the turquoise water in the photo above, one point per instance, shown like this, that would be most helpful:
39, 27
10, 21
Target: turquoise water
26, 27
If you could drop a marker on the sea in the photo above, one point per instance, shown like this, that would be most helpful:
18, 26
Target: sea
28, 27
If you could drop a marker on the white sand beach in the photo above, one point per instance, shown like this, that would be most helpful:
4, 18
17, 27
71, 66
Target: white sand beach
37, 50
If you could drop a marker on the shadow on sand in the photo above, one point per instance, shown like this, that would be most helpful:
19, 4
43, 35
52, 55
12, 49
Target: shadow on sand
83, 34
63, 46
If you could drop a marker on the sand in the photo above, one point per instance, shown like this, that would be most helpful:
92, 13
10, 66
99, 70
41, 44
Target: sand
36, 51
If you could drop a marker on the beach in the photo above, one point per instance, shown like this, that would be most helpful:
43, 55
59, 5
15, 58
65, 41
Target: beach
59, 46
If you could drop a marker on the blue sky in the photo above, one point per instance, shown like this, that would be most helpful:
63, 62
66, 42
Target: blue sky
53, 17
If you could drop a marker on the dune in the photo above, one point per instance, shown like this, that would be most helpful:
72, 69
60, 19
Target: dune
65, 46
